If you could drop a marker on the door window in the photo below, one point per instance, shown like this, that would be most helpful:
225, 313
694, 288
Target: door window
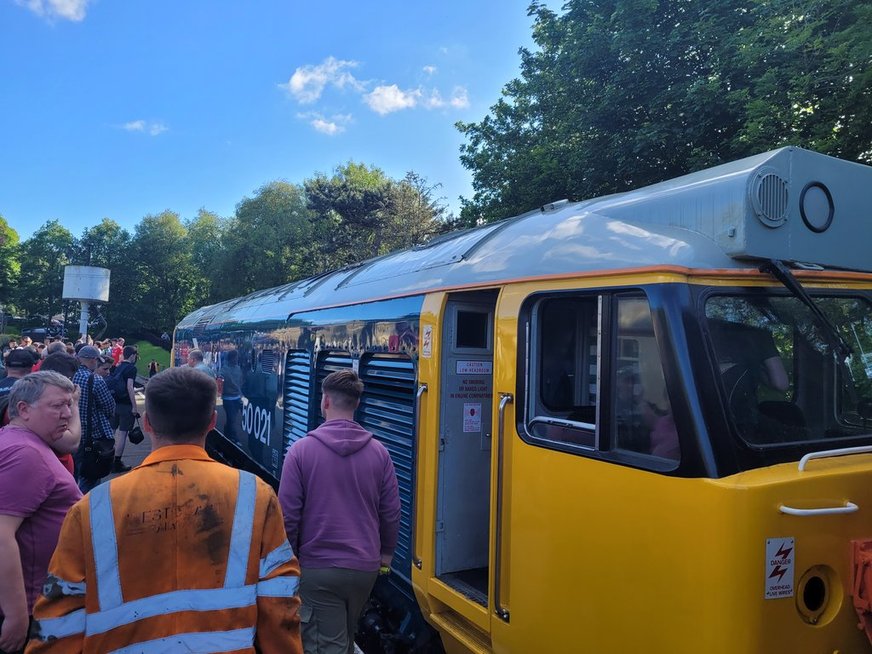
595, 377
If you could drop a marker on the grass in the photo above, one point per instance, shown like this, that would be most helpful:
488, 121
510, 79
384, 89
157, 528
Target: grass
147, 352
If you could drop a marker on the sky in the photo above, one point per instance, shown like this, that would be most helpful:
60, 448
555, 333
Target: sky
126, 108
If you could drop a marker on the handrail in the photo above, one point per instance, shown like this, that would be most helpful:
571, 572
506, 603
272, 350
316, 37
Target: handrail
422, 388
825, 454
501, 611
849, 507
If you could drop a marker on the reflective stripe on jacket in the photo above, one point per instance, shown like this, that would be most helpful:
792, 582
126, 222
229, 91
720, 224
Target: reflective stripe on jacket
181, 554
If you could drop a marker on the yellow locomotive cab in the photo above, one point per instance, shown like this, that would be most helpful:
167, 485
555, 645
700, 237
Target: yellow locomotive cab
640, 423
635, 547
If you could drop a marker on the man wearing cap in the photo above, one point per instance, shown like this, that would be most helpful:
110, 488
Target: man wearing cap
18, 363
96, 407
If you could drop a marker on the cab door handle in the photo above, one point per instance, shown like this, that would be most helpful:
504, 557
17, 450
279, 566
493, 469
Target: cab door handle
416, 560
501, 611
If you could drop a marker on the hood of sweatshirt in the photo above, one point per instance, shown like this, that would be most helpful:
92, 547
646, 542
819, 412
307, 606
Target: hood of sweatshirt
345, 437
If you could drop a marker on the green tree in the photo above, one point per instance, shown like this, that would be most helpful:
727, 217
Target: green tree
205, 234
267, 242
9, 264
167, 277
351, 212
360, 212
623, 93
43, 257
419, 213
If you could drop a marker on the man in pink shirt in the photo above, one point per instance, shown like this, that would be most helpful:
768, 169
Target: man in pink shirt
36, 491
341, 505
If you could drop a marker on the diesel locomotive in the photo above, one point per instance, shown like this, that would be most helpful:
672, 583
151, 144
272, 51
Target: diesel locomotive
638, 423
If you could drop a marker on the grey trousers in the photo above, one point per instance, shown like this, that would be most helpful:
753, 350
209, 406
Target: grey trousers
332, 601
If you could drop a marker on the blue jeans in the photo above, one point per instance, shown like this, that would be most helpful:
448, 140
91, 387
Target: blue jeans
232, 409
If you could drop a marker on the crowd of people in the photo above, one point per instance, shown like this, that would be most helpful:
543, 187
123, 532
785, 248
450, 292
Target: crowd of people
111, 349
107, 416
182, 553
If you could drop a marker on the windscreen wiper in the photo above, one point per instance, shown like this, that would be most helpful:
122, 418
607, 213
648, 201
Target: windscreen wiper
782, 273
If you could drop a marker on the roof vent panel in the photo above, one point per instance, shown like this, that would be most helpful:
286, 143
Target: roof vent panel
768, 194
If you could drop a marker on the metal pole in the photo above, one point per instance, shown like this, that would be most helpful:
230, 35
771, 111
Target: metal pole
83, 320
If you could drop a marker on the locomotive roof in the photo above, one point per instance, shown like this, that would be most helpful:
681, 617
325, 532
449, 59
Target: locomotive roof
717, 218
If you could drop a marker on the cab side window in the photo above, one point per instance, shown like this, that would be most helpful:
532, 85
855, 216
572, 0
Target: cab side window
582, 345
642, 416
564, 370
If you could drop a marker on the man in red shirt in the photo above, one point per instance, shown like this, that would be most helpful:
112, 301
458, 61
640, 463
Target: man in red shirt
117, 351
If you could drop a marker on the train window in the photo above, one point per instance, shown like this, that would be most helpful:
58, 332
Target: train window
788, 377
565, 401
565, 377
472, 330
641, 414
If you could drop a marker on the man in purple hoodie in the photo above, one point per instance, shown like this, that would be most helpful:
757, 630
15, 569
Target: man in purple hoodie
341, 505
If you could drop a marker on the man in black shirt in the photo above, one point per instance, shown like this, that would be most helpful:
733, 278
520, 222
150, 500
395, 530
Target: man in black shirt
126, 409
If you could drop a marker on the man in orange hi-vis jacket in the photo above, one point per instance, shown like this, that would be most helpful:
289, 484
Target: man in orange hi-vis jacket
181, 554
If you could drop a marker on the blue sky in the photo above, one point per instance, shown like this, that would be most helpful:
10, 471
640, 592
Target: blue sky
123, 108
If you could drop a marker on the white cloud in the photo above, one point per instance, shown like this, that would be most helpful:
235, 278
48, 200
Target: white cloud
329, 126
432, 99
459, 98
387, 99
308, 82
153, 128
73, 10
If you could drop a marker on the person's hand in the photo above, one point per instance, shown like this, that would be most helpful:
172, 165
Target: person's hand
386, 560
13, 633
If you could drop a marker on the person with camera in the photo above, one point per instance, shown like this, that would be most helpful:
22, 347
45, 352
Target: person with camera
96, 453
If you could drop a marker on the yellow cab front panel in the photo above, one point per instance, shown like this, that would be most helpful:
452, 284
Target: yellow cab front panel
628, 561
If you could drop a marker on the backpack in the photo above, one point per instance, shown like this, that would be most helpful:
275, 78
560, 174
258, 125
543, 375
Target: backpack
117, 384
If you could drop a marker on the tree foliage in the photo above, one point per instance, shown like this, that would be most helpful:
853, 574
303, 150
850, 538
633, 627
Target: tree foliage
205, 234
170, 266
166, 275
360, 212
267, 242
623, 93
40, 283
9, 263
